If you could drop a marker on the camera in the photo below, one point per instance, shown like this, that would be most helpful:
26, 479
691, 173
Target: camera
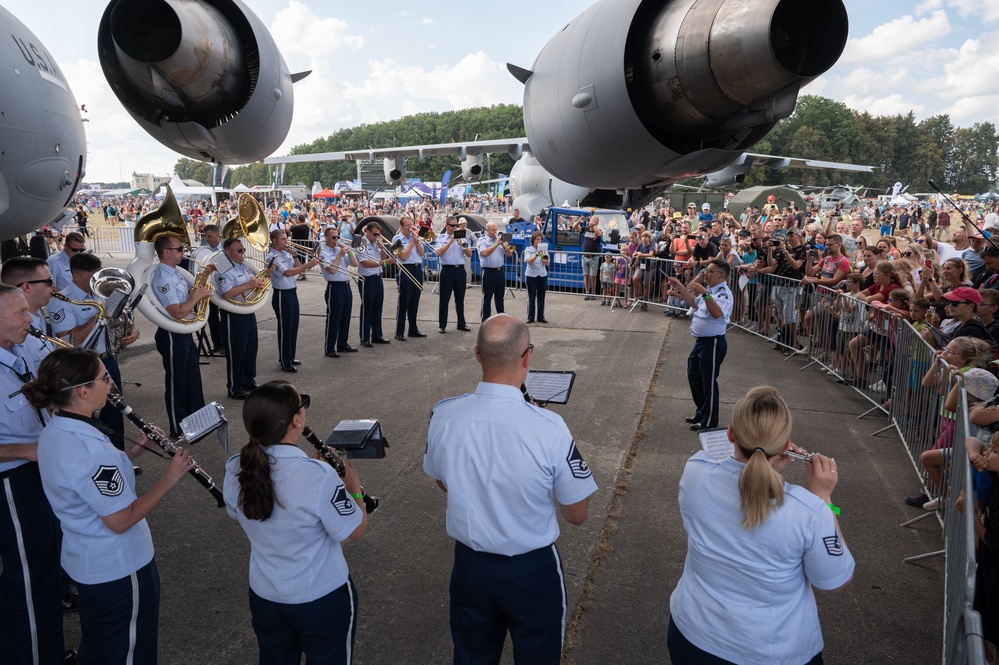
775, 243
460, 233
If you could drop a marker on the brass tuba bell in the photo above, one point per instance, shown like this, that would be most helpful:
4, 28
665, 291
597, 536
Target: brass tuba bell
250, 223
167, 219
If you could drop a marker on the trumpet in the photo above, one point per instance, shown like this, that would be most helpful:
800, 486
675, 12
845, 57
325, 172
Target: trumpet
335, 459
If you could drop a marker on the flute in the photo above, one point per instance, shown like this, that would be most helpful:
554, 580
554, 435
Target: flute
807, 457
168, 446
335, 459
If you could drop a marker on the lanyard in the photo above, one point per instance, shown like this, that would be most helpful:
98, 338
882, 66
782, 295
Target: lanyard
24, 377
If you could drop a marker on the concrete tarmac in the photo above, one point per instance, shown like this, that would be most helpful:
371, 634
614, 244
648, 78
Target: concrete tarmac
626, 413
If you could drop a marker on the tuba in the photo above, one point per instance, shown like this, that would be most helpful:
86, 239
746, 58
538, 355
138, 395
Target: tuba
105, 282
250, 224
167, 219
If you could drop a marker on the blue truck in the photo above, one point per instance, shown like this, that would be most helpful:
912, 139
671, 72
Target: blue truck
564, 239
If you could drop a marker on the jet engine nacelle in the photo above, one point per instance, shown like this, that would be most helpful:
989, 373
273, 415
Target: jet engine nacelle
202, 77
534, 189
634, 93
471, 168
727, 177
395, 170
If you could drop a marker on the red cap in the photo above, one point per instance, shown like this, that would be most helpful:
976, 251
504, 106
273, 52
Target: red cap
964, 294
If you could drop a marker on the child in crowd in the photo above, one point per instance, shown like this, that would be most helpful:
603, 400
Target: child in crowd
850, 311
621, 277
607, 270
675, 305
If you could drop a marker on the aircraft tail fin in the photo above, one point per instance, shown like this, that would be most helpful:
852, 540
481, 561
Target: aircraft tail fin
298, 76
519, 73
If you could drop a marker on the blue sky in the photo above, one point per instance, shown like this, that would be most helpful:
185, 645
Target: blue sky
381, 59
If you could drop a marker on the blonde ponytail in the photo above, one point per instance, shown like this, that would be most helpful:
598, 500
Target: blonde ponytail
761, 427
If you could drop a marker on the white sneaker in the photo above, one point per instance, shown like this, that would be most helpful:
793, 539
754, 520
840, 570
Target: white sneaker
932, 504
879, 387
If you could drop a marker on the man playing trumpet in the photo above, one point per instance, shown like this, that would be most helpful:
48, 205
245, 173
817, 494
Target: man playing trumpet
410, 259
239, 331
337, 259
374, 258
492, 257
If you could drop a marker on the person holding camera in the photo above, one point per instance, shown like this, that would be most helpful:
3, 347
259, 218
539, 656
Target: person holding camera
452, 251
592, 246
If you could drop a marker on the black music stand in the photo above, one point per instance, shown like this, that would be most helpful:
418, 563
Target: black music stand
359, 439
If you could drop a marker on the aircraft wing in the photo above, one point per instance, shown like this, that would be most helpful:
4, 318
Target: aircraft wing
776, 162
514, 147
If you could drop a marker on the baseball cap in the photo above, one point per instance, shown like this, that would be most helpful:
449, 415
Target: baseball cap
706, 206
964, 294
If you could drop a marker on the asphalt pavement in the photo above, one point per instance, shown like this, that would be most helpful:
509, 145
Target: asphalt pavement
626, 413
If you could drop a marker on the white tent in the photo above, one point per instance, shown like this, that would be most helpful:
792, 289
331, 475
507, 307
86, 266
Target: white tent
240, 188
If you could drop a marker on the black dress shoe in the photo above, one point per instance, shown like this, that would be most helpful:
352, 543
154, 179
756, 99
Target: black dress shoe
288, 368
401, 338
332, 354
367, 345
238, 395
381, 340
530, 321
347, 349
697, 427
542, 320
464, 329
296, 361
69, 657
417, 334
442, 331
137, 470
692, 420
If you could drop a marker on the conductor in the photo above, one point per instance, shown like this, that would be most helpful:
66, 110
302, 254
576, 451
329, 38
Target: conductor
501, 460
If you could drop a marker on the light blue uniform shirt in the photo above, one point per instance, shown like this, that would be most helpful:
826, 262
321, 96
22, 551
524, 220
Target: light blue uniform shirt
370, 251
454, 256
502, 460
85, 478
169, 286
746, 596
414, 255
282, 261
535, 269
295, 554
59, 267
238, 274
19, 421
36, 349
705, 325
66, 316
496, 258
328, 256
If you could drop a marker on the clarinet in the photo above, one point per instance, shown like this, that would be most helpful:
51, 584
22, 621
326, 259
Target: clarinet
168, 446
335, 459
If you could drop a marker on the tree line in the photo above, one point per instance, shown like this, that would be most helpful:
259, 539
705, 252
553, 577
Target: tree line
963, 160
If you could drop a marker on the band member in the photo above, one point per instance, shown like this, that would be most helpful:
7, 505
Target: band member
106, 546
179, 352
59, 263
284, 269
452, 259
507, 571
31, 584
339, 299
410, 259
239, 331
372, 291
271, 489
492, 256
213, 240
76, 323
536, 276
33, 277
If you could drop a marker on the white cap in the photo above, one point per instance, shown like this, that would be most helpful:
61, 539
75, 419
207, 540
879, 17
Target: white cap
706, 206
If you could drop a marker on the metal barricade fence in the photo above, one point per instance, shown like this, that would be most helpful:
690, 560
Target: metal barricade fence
110, 240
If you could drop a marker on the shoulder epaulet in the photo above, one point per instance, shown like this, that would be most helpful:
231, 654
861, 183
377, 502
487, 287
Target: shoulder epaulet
450, 399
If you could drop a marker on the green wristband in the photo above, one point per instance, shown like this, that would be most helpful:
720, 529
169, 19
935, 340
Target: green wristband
706, 296
361, 496
835, 509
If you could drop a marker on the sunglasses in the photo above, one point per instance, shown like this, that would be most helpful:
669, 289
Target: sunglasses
76, 249
530, 347
174, 249
106, 378
306, 401
907, 253
46, 282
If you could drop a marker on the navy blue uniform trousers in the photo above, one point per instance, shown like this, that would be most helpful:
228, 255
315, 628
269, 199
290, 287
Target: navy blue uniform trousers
409, 299
372, 291
703, 365
536, 289
285, 305
493, 289
322, 629
683, 652
30, 614
239, 334
452, 281
183, 376
339, 302
119, 619
492, 594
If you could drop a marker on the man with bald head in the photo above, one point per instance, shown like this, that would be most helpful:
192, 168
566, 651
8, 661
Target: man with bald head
501, 461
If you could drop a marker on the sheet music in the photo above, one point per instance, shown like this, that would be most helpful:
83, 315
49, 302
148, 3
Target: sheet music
549, 386
222, 262
715, 442
203, 422
115, 303
368, 425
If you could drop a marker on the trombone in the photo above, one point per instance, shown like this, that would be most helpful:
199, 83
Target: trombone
336, 265
394, 250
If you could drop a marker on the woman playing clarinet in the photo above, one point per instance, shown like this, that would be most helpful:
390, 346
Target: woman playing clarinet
106, 546
296, 511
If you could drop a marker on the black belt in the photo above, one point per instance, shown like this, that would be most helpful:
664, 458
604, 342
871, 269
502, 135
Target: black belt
485, 268
704, 339
453, 265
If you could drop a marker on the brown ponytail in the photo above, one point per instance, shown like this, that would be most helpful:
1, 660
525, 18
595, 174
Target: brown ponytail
59, 369
267, 413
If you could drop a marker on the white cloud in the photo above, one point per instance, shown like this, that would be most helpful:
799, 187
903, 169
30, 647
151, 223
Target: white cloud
927, 6
428, 21
988, 10
298, 31
971, 70
896, 37
892, 104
